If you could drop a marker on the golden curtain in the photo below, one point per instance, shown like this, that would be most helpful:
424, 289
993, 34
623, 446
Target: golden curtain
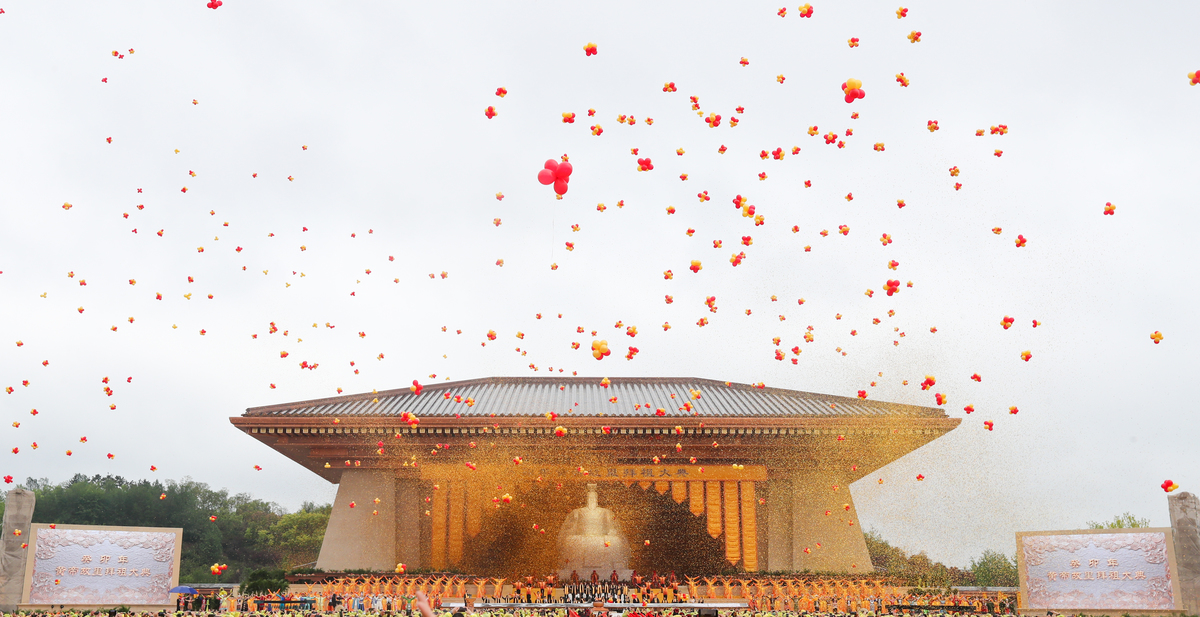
679, 491
696, 498
733, 548
749, 527
712, 491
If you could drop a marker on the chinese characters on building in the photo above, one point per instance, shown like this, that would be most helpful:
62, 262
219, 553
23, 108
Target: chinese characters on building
101, 570
1095, 575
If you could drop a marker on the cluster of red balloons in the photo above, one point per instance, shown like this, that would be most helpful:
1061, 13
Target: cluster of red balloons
853, 89
213, 4
558, 174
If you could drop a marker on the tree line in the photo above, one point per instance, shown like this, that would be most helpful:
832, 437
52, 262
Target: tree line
991, 569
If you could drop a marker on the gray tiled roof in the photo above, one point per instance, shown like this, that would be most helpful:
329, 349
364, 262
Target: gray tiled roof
584, 396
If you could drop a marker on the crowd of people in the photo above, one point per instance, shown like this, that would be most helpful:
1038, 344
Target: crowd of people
654, 595
575, 600
601, 591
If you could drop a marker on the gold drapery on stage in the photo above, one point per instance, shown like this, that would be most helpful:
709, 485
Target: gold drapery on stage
696, 498
733, 547
712, 492
679, 491
730, 506
749, 527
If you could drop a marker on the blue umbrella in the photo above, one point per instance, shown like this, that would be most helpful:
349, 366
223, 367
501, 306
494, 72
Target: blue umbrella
184, 589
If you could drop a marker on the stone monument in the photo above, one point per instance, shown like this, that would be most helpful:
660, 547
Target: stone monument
1185, 515
591, 539
18, 515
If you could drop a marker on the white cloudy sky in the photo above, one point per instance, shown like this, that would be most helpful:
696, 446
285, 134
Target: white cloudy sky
389, 98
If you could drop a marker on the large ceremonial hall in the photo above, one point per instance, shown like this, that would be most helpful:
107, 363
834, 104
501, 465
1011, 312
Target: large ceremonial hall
506, 475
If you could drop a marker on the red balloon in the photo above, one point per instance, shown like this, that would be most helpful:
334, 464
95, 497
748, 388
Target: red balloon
860, 93
546, 176
843, 86
551, 165
564, 171
849, 97
560, 187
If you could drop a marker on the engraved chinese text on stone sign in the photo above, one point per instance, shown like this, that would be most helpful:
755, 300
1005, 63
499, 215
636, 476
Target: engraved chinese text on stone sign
1126, 571
85, 566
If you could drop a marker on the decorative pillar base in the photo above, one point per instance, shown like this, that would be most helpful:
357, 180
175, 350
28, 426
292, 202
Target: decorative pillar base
355, 538
843, 548
408, 523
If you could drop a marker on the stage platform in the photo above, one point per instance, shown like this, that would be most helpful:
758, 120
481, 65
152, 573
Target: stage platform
615, 606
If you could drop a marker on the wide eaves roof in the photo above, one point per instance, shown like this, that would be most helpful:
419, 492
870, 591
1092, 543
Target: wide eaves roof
584, 396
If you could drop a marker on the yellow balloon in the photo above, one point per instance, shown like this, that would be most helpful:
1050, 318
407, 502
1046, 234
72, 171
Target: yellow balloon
853, 84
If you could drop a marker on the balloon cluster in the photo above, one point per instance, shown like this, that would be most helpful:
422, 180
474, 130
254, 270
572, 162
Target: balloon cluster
1169, 486
600, 349
213, 4
853, 89
1194, 78
218, 569
558, 174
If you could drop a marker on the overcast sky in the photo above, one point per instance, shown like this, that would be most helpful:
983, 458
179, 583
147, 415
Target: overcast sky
402, 163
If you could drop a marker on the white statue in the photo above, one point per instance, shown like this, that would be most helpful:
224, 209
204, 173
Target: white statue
591, 539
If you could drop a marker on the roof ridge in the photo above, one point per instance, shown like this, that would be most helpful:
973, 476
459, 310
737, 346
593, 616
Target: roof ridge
731, 399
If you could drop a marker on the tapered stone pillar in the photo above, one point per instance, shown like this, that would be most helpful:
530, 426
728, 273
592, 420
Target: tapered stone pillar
1185, 518
408, 523
821, 515
355, 538
779, 526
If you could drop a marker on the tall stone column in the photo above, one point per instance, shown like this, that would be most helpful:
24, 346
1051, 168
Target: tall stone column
355, 538
18, 514
408, 523
779, 525
1185, 517
822, 515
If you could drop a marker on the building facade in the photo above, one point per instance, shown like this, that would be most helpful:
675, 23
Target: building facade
487, 467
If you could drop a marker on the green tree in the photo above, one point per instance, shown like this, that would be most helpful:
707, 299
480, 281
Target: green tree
995, 569
884, 556
297, 537
916, 569
1120, 521
264, 581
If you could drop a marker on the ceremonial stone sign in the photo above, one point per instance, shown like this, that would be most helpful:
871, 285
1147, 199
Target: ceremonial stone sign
1098, 570
85, 566
1185, 521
